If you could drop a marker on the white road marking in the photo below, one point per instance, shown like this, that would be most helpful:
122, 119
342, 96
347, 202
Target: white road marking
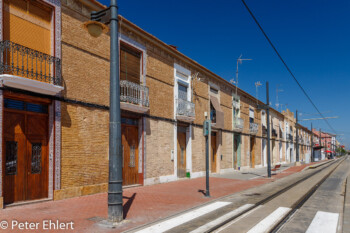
324, 222
270, 221
183, 218
222, 218
237, 219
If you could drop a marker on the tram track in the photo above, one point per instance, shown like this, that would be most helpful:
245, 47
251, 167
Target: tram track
294, 207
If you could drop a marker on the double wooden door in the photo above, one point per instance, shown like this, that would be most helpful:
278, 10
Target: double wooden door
130, 154
25, 156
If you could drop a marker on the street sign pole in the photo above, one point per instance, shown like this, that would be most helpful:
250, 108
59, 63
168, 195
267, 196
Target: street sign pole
207, 133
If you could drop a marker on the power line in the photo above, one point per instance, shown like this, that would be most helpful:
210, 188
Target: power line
285, 64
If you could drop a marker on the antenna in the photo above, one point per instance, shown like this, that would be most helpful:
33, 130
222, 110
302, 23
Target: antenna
278, 90
257, 84
239, 61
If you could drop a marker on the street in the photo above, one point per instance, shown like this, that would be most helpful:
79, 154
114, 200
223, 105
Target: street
310, 201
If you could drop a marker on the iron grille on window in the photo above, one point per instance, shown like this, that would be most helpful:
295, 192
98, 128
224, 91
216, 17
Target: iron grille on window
132, 162
182, 92
11, 158
36, 158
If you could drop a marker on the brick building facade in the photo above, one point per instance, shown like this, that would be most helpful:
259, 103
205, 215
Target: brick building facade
165, 96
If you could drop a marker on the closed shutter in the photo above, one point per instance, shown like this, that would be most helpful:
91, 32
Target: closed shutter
130, 64
28, 23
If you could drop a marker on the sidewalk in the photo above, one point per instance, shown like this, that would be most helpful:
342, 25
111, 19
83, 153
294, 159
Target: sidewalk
142, 205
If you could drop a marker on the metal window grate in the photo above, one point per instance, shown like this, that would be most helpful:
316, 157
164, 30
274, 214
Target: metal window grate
132, 162
36, 158
11, 158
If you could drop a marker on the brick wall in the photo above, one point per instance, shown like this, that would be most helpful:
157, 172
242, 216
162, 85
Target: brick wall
198, 150
159, 143
84, 156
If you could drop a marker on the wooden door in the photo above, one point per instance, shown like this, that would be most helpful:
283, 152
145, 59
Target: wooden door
252, 152
130, 154
14, 151
235, 152
25, 154
37, 157
213, 153
181, 154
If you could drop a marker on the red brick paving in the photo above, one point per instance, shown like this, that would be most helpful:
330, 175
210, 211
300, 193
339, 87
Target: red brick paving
141, 204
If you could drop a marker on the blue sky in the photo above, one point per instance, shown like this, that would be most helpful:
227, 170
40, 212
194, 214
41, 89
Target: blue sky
312, 36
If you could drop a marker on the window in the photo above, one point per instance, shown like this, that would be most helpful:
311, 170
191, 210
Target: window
251, 115
213, 91
130, 63
212, 113
182, 91
24, 106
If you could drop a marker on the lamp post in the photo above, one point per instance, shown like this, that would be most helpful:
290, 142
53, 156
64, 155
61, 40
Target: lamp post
95, 27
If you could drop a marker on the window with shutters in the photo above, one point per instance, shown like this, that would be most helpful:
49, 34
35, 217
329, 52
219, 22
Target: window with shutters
130, 63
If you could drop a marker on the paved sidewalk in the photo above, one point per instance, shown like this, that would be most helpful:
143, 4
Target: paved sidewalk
141, 204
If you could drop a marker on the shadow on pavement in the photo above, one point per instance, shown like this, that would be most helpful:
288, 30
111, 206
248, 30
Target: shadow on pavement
127, 205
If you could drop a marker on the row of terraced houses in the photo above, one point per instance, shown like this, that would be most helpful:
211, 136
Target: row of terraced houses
54, 108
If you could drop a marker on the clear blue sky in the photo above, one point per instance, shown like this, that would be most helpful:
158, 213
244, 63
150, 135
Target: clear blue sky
312, 36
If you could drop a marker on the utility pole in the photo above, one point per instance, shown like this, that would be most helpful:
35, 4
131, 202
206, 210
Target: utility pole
297, 137
115, 190
95, 27
312, 145
268, 130
320, 141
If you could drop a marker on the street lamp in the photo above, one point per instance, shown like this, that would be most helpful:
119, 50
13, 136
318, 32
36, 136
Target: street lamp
96, 27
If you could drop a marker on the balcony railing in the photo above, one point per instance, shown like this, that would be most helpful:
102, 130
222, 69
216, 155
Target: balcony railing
238, 124
253, 128
290, 137
21, 61
185, 108
236, 104
134, 93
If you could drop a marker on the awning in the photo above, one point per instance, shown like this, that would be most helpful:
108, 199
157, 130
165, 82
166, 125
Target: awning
318, 147
328, 151
281, 127
219, 113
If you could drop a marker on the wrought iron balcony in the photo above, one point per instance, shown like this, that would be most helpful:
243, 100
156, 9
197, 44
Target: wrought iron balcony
290, 137
21, 61
185, 108
238, 124
134, 93
253, 128
236, 104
